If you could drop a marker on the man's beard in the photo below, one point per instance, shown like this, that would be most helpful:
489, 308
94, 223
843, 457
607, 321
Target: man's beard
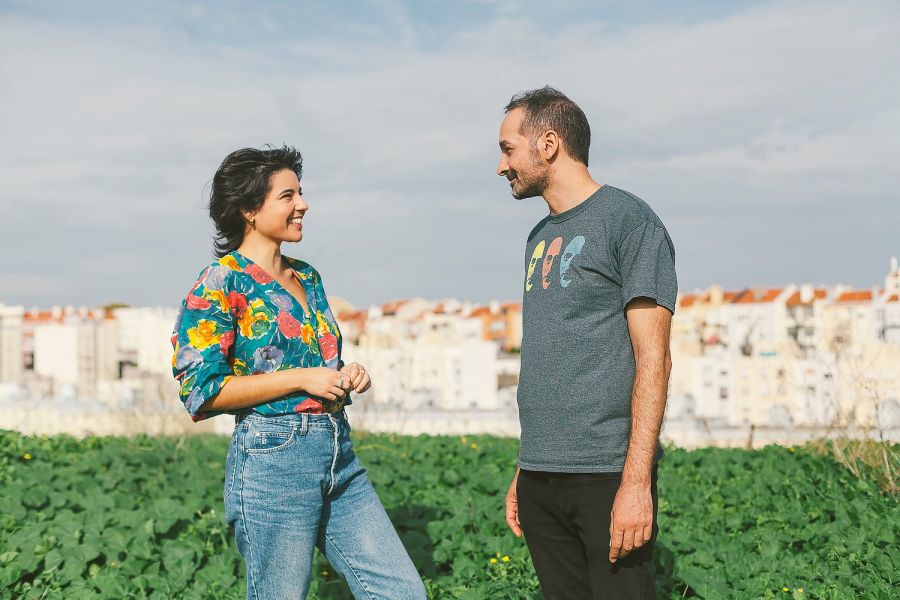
533, 183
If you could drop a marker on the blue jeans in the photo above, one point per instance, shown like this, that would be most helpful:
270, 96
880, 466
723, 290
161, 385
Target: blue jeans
293, 483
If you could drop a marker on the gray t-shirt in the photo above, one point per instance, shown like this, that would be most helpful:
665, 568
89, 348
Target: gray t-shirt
582, 267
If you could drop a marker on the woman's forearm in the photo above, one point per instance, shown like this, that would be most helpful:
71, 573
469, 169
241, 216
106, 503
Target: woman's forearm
243, 391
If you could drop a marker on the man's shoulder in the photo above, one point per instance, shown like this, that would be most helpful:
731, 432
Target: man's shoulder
627, 209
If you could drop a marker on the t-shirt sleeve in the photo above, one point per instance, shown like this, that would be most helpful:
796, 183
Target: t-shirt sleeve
203, 338
647, 265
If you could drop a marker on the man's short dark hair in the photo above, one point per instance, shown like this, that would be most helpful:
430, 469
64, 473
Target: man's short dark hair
548, 108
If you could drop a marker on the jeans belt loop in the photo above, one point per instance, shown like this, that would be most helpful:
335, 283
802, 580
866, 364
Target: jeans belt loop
304, 423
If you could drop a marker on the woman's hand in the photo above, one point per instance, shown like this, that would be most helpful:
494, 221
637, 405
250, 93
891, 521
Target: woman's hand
325, 383
359, 378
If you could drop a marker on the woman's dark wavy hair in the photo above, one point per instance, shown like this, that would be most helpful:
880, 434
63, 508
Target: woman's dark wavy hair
240, 184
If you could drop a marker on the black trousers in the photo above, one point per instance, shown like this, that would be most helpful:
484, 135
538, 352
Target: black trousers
565, 518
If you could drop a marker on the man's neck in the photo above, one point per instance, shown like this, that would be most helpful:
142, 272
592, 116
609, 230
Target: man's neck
569, 190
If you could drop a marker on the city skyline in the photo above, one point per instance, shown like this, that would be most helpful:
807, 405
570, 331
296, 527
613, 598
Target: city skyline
348, 304
769, 162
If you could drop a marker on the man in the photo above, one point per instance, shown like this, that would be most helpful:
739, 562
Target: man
599, 296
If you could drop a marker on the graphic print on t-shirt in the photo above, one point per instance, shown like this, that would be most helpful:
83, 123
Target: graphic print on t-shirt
552, 253
538, 252
573, 249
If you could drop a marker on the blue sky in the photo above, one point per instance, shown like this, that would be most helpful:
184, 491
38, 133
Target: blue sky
764, 135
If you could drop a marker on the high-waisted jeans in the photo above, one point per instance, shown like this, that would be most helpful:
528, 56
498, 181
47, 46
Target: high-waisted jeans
293, 483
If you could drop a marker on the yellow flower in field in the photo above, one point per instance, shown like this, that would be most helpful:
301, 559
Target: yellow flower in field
493, 561
203, 335
505, 559
800, 590
784, 589
792, 449
474, 446
324, 573
26, 456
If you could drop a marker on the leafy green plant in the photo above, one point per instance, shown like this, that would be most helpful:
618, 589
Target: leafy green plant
142, 517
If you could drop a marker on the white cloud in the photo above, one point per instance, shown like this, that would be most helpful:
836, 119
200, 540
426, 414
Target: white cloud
119, 128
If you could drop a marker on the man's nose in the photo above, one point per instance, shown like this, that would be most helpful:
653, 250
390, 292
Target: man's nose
503, 167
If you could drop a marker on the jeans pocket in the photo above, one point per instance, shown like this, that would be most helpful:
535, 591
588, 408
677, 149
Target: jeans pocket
231, 461
266, 438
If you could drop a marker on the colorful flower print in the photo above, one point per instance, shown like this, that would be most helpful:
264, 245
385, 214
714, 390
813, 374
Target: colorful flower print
230, 262
238, 304
258, 275
288, 325
197, 303
308, 334
239, 321
257, 320
282, 301
203, 335
267, 359
329, 346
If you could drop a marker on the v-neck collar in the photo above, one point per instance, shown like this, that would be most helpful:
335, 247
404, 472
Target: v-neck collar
310, 293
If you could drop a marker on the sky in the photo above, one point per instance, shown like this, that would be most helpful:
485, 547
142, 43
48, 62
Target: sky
766, 136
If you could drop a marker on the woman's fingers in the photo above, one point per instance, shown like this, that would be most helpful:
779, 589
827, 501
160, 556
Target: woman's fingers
364, 384
358, 374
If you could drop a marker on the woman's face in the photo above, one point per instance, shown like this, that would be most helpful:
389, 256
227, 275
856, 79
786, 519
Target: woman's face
281, 215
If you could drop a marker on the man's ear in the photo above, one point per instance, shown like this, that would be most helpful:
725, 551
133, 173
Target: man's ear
549, 145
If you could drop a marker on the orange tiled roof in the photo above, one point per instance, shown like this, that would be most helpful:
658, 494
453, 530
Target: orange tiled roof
855, 296
481, 311
391, 307
40, 317
893, 298
351, 315
818, 294
757, 296
688, 300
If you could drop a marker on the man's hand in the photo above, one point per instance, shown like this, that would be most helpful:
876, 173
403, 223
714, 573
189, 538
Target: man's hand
512, 507
631, 522
358, 377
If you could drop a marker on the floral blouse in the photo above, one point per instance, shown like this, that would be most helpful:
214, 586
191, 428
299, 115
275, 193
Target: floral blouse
238, 320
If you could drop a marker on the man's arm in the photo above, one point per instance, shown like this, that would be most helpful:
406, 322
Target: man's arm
631, 523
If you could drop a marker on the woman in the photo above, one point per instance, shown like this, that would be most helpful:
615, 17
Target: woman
255, 338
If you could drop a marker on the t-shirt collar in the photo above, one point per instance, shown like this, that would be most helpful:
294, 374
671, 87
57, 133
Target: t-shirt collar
577, 209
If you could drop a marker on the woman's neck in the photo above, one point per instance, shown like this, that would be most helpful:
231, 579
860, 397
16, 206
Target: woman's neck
264, 252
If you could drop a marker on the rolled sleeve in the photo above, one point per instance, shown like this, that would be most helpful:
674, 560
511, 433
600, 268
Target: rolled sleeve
203, 341
647, 266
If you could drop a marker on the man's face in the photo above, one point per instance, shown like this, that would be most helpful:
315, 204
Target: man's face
520, 162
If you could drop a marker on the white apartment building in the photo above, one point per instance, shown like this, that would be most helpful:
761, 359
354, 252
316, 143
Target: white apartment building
145, 335
797, 356
11, 344
427, 356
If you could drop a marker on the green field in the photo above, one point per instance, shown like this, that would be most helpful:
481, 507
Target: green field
142, 518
